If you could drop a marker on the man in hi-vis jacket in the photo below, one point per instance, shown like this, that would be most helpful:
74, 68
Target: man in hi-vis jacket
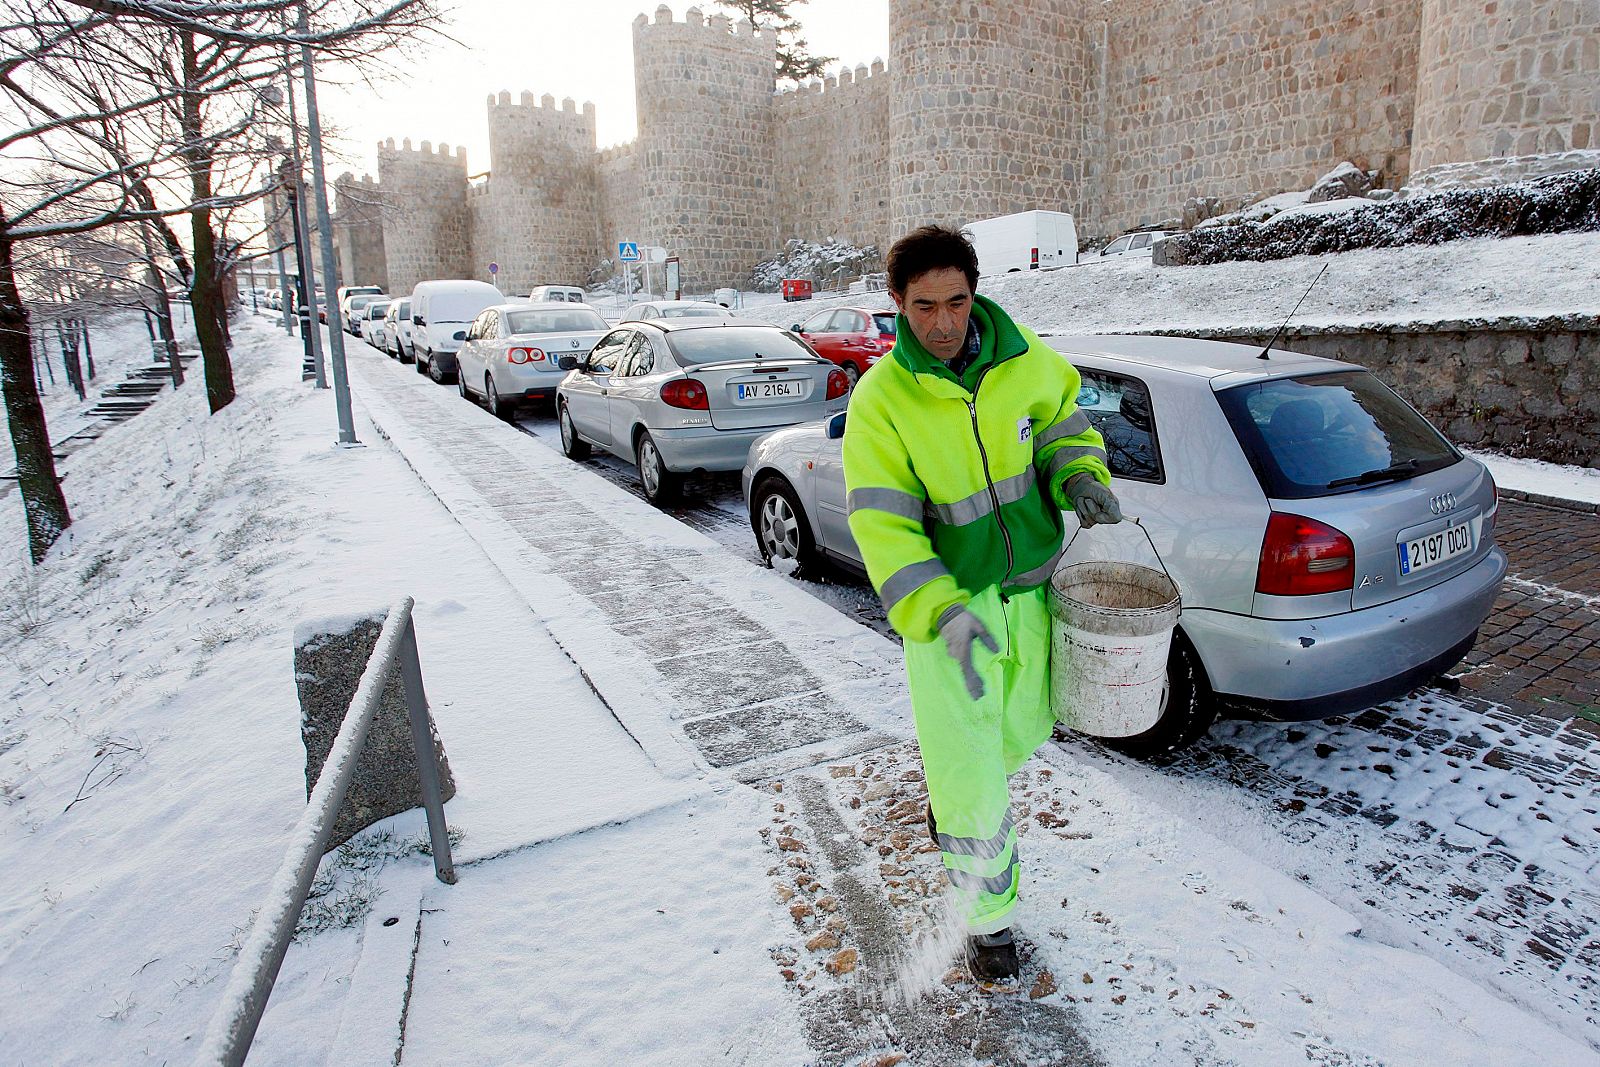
960, 452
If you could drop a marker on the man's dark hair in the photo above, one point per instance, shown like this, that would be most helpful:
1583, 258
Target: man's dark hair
931, 248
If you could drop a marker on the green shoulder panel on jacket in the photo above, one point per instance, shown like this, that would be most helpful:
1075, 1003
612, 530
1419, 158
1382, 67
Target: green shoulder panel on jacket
952, 490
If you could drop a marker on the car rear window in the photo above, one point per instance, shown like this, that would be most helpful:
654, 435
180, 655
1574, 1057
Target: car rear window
1331, 433
693, 313
720, 344
884, 323
574, 321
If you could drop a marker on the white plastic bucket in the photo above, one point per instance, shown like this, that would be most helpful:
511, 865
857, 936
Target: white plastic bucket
1109, 639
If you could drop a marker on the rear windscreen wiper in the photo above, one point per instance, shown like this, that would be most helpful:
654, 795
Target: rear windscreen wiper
1404, 469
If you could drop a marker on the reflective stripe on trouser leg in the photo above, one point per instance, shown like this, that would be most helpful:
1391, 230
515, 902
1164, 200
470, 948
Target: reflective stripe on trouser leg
968, 747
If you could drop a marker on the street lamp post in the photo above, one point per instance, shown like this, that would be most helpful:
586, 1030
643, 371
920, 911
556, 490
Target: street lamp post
330, 266
294, 189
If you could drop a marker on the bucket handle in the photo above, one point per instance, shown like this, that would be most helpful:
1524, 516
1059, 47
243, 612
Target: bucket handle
1137, 521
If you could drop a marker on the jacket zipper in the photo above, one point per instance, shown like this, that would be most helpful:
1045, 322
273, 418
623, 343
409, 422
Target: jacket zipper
994, 495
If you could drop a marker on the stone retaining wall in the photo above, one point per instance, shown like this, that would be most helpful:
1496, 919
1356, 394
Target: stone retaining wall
1525, 387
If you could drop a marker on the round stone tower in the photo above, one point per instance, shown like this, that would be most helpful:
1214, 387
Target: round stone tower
988, 111
704, 90
425, 230
1506, 78
541, 194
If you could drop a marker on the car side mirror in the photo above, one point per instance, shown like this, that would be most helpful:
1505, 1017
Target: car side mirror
459, 335
795, 328
416, 320
567, 362
836, 426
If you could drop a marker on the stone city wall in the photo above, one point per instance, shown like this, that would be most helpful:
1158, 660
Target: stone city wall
620, 196
1526, 387
1236, 97
830, 142
704, 91
1500, 78
541, 194
358, 231
425, 229
988, 109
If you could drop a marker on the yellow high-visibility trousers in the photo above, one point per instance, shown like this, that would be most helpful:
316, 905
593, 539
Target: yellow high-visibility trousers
970, 747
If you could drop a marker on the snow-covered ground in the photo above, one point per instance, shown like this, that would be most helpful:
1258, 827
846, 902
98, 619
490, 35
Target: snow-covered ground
1488, 278
616, 906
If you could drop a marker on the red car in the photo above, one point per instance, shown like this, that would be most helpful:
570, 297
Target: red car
854, 338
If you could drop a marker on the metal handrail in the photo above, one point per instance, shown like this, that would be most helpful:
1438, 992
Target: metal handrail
233, 1027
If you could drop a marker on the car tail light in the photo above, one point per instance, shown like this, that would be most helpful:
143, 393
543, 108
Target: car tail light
686, 393
1301, 556
1493, 514
525, 355
1034, 263
838, 384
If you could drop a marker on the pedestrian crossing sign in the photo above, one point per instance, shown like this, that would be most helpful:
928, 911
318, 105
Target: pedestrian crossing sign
628, 251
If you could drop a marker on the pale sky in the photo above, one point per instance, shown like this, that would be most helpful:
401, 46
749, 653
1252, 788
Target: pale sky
582, 49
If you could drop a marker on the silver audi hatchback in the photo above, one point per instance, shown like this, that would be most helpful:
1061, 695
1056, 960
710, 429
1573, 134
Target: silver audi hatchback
1332, 549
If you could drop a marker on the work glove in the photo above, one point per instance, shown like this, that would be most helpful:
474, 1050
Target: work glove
960, 629
1093, 502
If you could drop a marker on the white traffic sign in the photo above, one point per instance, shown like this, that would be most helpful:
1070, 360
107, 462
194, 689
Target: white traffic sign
628, 251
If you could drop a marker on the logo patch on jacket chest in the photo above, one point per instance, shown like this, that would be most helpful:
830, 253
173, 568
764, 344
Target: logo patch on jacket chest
1024, 430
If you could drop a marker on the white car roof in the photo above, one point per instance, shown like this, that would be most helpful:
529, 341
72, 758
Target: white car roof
1194, 356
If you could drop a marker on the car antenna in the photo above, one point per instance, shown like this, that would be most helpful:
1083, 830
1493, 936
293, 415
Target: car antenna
1292, 310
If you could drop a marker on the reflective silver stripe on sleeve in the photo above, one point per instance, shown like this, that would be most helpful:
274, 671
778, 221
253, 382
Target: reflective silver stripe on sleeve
974, 507
908, 579
1038, 576
978, 884
1071, 426
983, 849
1067, 454
893, 501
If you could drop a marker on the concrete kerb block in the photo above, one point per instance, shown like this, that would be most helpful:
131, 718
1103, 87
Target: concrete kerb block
329, 658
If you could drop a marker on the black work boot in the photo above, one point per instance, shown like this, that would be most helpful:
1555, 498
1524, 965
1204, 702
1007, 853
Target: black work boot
992, 957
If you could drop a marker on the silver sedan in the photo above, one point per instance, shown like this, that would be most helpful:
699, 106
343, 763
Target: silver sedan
1333, 550
691, 394
510, 351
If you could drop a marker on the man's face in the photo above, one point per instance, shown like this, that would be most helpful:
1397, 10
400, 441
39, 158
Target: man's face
937, 305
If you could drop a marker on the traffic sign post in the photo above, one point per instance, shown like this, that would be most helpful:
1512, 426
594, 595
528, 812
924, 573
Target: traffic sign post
494, 268
627, 252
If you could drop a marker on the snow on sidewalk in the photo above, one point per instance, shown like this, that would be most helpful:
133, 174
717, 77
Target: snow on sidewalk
1196, 952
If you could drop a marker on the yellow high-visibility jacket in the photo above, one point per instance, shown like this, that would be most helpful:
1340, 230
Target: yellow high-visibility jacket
955, 483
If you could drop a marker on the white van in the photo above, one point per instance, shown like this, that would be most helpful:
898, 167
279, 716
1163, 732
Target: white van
561, 294
441, 311
1027, 240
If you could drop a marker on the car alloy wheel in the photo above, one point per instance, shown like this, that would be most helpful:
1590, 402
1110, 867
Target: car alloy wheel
782, 534
572, 446
496, 408
659, 483
435, 372
461, 387
852, 372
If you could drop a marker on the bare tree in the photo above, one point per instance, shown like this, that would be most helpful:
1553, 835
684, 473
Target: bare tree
187, 74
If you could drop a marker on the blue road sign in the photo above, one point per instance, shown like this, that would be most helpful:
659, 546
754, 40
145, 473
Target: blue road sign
628, 251
494, 268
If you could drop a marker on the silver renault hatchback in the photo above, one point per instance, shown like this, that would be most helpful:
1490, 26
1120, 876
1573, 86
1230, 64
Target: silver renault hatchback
690, 394
1332, 549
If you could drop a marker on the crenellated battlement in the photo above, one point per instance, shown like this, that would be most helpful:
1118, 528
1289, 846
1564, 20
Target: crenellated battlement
696, 27
838, 88
425, 153
614, 153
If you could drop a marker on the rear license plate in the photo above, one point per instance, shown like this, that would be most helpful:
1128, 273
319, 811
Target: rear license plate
770, 390
1423, 552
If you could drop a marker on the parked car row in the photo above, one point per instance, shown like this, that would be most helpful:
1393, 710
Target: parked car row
1332, 549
